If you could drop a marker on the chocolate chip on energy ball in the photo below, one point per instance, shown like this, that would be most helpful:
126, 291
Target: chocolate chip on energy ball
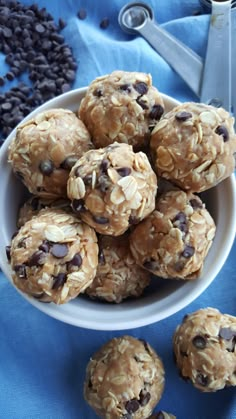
183, 116
124, 171
69, 162
156, 112
199, 342
227, 333
132, 406
144, 397
222, 130
59, 250
78, 205
59, 280
20, 271
188, 252
45, 246
76, 261
100, 220
141, 87
195, 204
37, 258
46, 167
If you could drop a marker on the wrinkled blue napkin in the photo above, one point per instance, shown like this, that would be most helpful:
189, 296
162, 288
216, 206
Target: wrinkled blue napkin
42, 361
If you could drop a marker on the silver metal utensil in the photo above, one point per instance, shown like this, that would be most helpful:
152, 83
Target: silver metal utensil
216, 81
138, 18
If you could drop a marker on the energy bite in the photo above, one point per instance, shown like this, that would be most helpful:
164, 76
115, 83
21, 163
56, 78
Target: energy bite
193, 146
204, 347
174, 240
123, 107
54, 256
45, 149
118, 276
34, 204
112, 188
124, 379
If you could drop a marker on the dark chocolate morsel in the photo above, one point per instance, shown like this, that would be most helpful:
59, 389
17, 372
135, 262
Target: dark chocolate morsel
195, 204
188, 252
124, 171
20, 271
59, 250
183, 116
125, 87
227, 333
104, 165
37, 258
45, 246
59, 280
141, 87
100, 220
46, 167
144, 397
8, 253
97, 92
76, 260
222, 130
142, 103
78, 205
132, 406
156, 112
69, 162
199, 342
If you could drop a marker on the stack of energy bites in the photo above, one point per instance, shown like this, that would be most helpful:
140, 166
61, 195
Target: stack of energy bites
96, 224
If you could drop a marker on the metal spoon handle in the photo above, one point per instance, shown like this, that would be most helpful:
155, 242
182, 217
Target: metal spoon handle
181, 58
216, 85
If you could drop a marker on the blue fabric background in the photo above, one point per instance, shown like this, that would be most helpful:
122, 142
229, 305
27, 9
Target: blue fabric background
42, 361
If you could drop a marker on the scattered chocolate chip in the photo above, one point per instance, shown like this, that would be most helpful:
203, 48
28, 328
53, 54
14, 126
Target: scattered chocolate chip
104, 165
77, 171
180, 221
132, 406
37, 258
97, 93
144, 397
222, 130
202, 379
59, 280
76, 260
227, 333
78, 205
199, 342
45, 246
59, 250
104, 23
87, 180
125, 87
181, 217
69, 162
100, 220
188, 252
8, 253
141, 87
156, 112
82, 14
142, 103
103, 183
20, 271
183, 116
195, 204
46, 167
124, 171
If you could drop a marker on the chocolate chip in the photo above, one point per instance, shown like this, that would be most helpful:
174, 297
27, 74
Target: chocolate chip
78, 205
82, 14
100, 220
20, 271
199, 342
8, 253
104, 23
37, 258
180, 221
183, 116
124, 171
87, 180
142, 103
202, 379
59, 250
156, 112
45, 246
132, 406
227, 333
188, 252
195, 204
76, 261
77, 172
222, 130
69, 162
144, 397
103, 183
104, 165
97, 93
181, 217
46, 167
125, 87
59, 280
141, 87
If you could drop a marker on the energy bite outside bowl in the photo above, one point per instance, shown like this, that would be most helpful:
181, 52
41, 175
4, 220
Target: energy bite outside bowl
158, 301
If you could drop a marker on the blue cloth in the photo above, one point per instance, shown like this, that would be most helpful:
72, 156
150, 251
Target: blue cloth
42, 361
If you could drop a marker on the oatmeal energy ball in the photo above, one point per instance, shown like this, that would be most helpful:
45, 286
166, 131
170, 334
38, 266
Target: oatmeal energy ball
193, 146
174, 240
34, 204
123, 107
54, 256
118, 276
124, 379
45, 149
112, 188
205, 351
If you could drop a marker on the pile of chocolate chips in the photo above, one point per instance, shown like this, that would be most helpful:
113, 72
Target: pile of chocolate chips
32, 43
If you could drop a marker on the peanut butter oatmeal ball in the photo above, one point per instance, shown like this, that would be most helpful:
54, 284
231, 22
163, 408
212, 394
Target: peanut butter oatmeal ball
34, 204
194, 145
112, 188
124, 379
204, 347
45, 149
123, 107
118, 276
54, 256
162, 415
174, 240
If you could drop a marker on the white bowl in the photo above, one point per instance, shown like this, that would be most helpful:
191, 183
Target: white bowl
163, 298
